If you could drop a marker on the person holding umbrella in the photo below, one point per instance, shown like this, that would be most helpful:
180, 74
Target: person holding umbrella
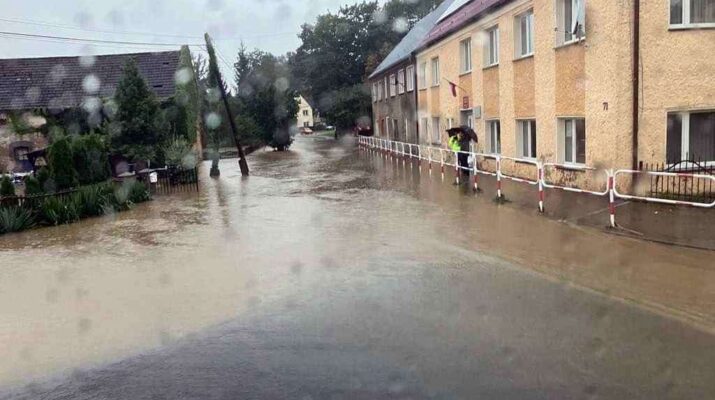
459, 140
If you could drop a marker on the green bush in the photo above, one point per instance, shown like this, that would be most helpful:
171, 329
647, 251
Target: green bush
7, 189
15, 219
45, 180
130, 193
61, 164
139, 193
33, 186
56, 211
89, 155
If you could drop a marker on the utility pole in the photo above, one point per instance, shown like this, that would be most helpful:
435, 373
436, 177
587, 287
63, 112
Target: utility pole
213, 67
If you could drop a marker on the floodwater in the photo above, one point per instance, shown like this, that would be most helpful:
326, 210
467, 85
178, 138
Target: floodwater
337, 273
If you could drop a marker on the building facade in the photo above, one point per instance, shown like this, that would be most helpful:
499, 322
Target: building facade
554, 80
393, 84
305, 118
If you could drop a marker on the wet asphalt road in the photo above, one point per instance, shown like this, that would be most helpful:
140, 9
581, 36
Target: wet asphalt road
326, 276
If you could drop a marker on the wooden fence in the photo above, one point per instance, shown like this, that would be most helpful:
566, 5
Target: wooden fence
172, 180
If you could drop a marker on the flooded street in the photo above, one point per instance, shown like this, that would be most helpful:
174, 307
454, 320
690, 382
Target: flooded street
337, 273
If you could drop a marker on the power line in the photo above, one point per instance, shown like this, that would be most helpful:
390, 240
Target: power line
54, 25
83, 40
114, 46
64, 26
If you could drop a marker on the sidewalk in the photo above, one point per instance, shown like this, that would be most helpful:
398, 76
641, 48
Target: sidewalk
677, 225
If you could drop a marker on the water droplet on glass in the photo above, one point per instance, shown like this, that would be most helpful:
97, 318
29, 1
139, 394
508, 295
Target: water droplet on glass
91, 84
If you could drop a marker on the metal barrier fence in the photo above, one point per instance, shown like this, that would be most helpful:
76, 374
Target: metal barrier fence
448, 158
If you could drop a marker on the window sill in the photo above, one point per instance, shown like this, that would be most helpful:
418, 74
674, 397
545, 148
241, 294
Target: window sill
687, 27
569, 43
465, 73
572, 167
434, 86
490, 66
524, 57
526, 160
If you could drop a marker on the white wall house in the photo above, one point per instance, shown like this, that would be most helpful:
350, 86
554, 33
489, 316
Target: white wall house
305, 113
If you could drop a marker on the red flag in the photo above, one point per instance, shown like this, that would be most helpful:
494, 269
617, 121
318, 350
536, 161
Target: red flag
453, 87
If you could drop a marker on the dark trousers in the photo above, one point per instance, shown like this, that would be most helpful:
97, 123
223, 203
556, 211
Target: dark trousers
463, 163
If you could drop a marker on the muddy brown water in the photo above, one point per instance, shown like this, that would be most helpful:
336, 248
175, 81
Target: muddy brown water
101, 290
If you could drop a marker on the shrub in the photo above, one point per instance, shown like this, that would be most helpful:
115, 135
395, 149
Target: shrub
138, 193
7, 188
15, 219
33, 186
61, 164
178, 153
89, 155
92, 200
43, 177
56, 211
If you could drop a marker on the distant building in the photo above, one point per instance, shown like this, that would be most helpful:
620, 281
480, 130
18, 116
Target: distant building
394, 95
305, 115
56, 84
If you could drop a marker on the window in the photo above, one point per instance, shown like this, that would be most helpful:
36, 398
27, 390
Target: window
305, 113
393, 85
494, 136
572, 141
387, 89
436, 134
407, 130
526, 138
691, 136
435, 71
21, 153
465, 56
425, 126
410, 78
305, 124
491, 47
450, 123
423, 75
401, 81
379, 91
571, 18
687, 13
524, 34
374, 92
394, 129
467, 118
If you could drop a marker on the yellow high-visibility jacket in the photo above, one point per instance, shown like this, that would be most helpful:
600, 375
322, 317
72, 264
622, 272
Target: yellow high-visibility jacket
453, 144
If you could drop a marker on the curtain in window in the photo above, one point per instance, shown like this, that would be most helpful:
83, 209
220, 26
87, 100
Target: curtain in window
676, 12
581, 141
533, 139
702, 11
674, 138
702, 136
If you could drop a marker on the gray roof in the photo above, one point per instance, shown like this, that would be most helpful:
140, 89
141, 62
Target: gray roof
64, 82
412, 40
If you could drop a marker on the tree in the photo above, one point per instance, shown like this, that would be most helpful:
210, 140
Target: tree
89, 154
61, 164
342, 49
264, 98
7, 189
136, 117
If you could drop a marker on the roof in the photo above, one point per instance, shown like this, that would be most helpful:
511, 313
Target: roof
63, 82
456, 5
460, 17
412, 40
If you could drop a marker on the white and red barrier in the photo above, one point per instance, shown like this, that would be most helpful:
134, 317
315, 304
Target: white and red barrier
438, 154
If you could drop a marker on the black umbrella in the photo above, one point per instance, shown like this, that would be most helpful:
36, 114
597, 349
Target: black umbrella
469, 132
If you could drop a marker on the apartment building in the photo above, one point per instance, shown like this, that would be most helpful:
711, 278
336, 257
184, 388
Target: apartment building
394, 99
597, 83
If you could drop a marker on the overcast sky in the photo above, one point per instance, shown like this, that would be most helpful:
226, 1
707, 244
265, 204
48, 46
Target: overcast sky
271, 25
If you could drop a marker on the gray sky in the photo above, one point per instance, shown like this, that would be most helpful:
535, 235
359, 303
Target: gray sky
271, 25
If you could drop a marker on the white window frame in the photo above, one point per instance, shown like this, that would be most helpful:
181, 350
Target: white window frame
531, 146
410, 78
423, 75
374, 92
685, 18
493, 136
578, 13
465, 56
435, 71
401, 81
563, 124
425, 127
387, 87
436, 133
491, 47
379, 90
685, 134
393, 85
518, 45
